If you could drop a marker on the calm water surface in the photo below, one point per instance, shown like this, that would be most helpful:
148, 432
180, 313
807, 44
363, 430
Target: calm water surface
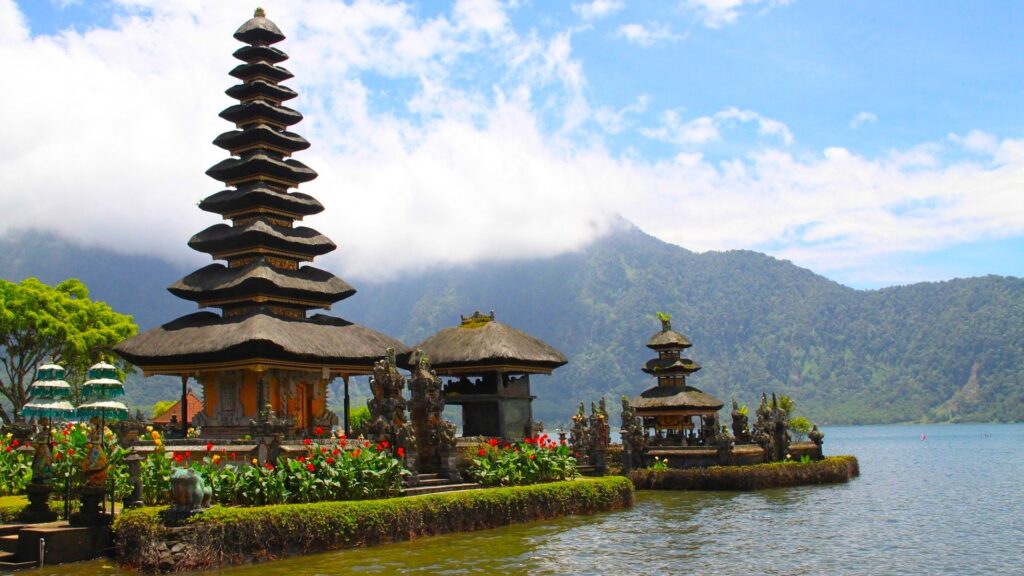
951, 503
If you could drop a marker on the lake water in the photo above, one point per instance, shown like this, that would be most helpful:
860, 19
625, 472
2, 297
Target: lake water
950, 503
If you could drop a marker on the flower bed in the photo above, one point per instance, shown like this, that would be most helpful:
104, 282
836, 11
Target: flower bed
227, 536
336, 470
15, 467
834, 469
531, 461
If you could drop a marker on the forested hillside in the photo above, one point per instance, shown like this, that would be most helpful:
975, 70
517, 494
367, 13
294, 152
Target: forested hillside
940, 351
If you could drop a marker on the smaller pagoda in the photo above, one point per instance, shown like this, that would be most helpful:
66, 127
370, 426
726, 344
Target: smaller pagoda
678, 414
487, 367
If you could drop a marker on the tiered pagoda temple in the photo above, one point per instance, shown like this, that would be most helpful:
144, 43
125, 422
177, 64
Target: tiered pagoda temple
669, 408
264, 347
487, 367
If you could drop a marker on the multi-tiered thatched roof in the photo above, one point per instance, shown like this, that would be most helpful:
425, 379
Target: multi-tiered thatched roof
264, 290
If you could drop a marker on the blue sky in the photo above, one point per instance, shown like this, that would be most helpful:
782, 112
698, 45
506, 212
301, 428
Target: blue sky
876, 143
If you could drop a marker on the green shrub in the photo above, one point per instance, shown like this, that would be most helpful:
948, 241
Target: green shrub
224, 536
833, 469
528, 462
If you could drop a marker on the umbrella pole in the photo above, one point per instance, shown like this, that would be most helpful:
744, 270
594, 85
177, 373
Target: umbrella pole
184, 406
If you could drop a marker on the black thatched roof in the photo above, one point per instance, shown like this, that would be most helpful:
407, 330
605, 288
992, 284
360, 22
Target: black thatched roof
246, 112
207, 338
482, 341
668, 338
675, 397
221, 238
255, 166
668, 366
250, 54
263, 89
263, 70
237, 200
217, 281
261, 134
259, 30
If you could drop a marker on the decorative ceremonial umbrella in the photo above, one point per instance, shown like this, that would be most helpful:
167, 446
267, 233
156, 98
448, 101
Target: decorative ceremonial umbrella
99, 391
47, 395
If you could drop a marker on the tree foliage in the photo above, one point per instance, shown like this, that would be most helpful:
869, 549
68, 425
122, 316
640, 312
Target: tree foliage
40, 323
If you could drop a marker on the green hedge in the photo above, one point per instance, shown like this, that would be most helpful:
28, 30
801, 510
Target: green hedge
834, 469
224, 536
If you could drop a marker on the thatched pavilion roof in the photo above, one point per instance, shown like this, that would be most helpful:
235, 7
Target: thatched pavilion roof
482, 342
206, 340
684, 398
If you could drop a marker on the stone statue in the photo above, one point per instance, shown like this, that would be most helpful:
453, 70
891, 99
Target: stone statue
189, 492
780, 430
600, 435
740, 429
435, 436
42, 458
388, 420
633, 438
579, 438
94, 465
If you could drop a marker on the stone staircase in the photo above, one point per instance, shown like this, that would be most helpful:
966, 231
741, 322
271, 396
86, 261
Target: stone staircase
9, 549
434, 483
19, 544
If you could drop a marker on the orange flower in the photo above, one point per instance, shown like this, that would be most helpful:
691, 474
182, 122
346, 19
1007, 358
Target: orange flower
356, 453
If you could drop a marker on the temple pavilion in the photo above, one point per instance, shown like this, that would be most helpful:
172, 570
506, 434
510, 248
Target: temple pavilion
676, 412
486, 366
264, 347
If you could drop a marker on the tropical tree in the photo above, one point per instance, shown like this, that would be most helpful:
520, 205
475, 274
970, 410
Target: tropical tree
56, 323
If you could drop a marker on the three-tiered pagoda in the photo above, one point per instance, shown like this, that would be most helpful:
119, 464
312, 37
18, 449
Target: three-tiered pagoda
264, 348
670, 407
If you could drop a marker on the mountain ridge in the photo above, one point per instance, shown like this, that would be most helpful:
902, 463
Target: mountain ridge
895, 354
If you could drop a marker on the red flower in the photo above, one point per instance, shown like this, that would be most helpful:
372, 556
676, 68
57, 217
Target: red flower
15, 443
384, 443
268, 466
302, 458
482, 452
528, 440
318, 431
8, 449
493, 441
306, 441
233, 455
330, 460
57, 455
323, 449
533, 456
188, 454
71, 451
401, 452
335, 451
310, 467
178, 458
209, 446
344, 442
562, 442
366, 444
380, 447
342, 437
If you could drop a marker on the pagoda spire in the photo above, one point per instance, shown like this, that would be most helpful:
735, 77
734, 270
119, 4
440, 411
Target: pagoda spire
262, 246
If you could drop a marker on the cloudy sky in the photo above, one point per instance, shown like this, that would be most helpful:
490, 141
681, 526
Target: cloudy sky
876, 143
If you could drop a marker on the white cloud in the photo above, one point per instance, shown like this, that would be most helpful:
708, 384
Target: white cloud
719, 13
708, 128
863, 118
111, 139
598, 8
647, 35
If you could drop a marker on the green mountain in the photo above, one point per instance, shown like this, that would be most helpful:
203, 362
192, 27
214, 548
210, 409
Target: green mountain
938, 351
